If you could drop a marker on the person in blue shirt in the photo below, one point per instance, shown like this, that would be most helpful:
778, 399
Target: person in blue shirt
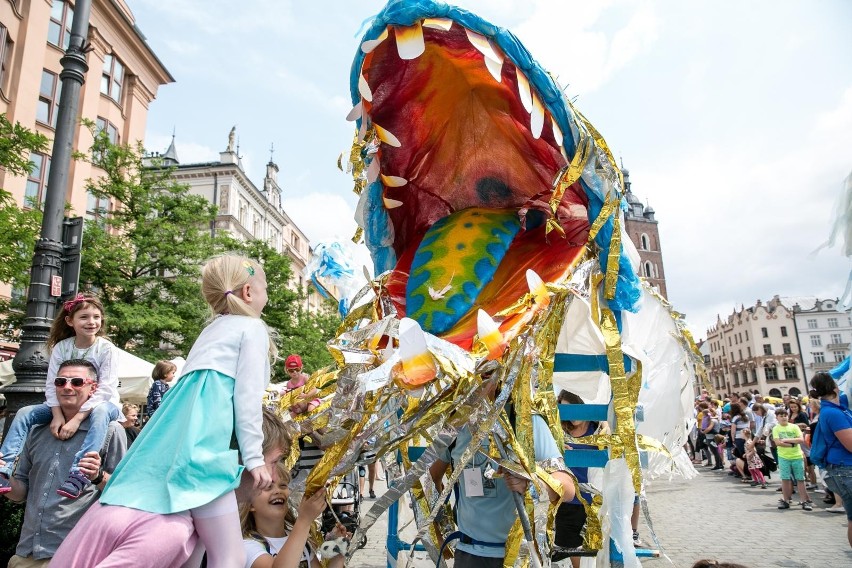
485, 507
835, 425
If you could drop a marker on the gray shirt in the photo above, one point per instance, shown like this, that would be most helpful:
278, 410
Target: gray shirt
43, 465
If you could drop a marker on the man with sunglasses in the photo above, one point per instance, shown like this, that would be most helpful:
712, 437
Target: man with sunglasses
48, 517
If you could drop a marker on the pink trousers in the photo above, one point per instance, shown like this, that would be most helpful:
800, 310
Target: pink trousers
110, 536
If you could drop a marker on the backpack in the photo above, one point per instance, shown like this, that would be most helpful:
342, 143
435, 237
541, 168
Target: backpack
819, 445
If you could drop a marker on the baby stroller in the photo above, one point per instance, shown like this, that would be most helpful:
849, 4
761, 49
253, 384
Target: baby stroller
345, 507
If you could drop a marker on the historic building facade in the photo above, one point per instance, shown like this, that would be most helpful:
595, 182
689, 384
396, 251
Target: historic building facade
824, 334
643, 230
756, 348
122, 81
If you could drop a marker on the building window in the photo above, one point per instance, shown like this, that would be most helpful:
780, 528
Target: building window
832, 322
790, 371
767, 349
816, 341
59, 29
764, 332
839, 356
786, 348
294, 240
37, 181
649, 270
48, 98
112, 78
836, 338
97, 209
746, 335
749, 351
771, 372
819, 357
5, 55
644, 243
812, 324
103, 125
754, 375
783, 331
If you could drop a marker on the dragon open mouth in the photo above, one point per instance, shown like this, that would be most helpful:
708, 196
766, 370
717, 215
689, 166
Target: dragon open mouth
462, 127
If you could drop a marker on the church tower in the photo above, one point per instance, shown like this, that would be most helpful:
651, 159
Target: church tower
642, 228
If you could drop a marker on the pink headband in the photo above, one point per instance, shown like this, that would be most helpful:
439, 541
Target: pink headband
69, 305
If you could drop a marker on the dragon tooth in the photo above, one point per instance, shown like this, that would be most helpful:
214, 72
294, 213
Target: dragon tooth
557, 132
409, 41
391, 203
393, 181
372, 44
493, 60
536, 118
355, 113
524, 90
387, 136
438, 23
364, 89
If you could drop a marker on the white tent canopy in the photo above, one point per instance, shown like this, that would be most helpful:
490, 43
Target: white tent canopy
134, 377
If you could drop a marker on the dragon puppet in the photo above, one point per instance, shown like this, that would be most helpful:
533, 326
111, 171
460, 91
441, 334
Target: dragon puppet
492, 211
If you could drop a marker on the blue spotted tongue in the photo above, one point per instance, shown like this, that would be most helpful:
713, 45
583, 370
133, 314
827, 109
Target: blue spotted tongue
455, 260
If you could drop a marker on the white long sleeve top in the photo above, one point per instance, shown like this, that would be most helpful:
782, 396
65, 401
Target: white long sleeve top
103, 354
238, 346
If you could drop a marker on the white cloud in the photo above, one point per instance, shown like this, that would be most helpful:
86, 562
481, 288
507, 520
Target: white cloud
566, 37
224, 18
740, 219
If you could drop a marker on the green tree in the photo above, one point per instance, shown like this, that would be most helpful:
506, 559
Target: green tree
19, 227
143, 256
310, 333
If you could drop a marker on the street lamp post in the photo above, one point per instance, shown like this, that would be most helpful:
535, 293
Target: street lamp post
30, 363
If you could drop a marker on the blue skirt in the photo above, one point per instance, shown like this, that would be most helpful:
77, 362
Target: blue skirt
182, 459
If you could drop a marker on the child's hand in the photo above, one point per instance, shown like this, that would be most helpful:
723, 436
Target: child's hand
312, 506
262, 478
56, 424
69, 429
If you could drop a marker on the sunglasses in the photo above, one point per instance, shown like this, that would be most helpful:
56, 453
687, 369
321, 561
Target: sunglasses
294, 370
76, 382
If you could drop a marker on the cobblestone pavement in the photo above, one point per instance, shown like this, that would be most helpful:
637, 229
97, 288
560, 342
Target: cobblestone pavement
715, 516
712, 516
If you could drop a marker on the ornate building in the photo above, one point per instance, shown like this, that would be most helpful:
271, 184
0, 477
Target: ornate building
641, 227
123, 78
247, 211
823, 334
756, 348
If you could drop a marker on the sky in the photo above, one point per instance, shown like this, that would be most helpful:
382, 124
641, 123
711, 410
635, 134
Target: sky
734, 118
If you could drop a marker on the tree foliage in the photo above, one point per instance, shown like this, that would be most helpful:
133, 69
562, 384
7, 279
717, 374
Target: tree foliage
19, 227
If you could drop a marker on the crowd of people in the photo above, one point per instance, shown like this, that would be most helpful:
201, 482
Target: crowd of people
203, 480
806, 441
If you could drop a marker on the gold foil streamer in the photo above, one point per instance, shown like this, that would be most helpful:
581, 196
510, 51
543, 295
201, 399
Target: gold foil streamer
625, 394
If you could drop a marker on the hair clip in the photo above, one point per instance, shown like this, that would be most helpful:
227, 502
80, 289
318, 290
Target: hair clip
249, 267
69, 305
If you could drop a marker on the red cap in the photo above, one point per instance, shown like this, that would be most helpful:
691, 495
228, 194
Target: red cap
293, 362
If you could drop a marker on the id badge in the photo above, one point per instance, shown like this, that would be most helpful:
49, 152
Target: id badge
472, 478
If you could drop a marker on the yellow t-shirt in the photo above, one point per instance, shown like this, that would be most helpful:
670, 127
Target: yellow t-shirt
789, 431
